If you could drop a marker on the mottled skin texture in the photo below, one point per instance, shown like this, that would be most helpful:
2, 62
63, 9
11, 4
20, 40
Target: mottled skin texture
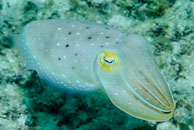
79, 55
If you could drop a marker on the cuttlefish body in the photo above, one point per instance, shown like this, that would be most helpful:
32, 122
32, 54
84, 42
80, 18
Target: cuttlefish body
86, 56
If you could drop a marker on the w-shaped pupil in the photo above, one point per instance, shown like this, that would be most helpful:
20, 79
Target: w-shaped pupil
110, 61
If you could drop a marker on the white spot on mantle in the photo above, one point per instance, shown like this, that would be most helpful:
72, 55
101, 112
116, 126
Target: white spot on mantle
59, 28
58, 44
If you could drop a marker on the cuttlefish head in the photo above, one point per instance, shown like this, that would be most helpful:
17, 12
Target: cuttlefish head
133, 82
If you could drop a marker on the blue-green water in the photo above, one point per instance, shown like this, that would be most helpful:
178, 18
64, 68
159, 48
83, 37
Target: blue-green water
26, 103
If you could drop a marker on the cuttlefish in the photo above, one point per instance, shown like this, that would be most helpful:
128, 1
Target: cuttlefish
86, 56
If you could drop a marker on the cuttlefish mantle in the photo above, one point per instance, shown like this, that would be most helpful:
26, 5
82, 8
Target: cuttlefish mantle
85, 56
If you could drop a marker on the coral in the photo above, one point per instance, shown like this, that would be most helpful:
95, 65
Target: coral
144, 9
167, 126
167, 25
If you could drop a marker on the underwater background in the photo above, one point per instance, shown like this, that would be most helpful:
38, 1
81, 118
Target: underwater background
168, 25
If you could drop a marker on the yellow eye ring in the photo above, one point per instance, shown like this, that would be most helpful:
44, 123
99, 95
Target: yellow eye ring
109, 60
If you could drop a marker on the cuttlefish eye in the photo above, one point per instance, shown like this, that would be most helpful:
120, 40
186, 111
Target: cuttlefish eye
108, 60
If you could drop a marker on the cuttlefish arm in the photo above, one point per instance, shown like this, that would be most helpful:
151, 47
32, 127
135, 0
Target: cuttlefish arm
133, 81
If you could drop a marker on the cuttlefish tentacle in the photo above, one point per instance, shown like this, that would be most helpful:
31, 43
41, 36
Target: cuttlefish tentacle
84, 56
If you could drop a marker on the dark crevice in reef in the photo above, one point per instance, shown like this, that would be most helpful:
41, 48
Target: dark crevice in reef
6, 39
30, 8
30, 12
146, 128
0, 4
171, 2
